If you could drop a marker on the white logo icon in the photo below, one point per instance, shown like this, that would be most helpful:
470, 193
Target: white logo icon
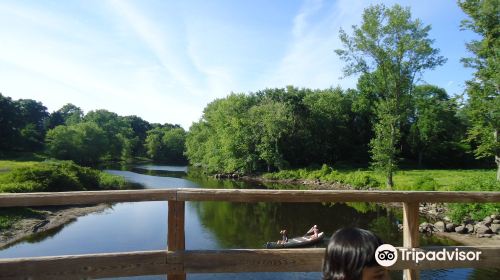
386, 255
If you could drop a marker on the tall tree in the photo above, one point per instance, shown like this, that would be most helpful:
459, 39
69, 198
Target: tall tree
434, 124
483, 90
270, 122
33, 116
9, 123
395, 49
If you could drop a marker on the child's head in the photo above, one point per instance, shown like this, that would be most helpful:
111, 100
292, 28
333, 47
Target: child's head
350, 255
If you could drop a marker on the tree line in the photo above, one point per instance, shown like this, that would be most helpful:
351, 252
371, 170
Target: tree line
99, 135
388, 120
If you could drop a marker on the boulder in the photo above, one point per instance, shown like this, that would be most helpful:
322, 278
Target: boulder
495, 221
469, 227
487, 220
479, 224
482, 229
495, 228
495, 216
440, 226
450, 227
461, 229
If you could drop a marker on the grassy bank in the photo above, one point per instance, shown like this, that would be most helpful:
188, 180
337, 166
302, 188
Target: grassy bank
50, 176
417, 180
18, 176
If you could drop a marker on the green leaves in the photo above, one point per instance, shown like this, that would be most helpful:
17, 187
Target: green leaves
392, 49
484, 90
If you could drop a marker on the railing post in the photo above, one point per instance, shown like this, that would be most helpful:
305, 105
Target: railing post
410, 234
176, 237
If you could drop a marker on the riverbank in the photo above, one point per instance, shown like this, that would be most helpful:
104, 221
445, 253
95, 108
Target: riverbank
431, 212
47, 218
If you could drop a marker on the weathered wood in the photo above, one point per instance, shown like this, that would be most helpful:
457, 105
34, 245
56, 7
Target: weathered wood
83, 266
94, 197
332, 196
84, 197
207, 261
410, 234
176, 235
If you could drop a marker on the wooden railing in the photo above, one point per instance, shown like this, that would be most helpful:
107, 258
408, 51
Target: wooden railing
176, 261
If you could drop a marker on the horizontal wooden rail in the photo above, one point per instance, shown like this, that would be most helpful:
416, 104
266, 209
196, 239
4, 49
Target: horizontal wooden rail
332, 196
205, 261
84, 197
181, 194
177, 262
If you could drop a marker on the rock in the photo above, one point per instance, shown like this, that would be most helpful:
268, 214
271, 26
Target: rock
486, 235
482, 229
440, 226
424, 225
495, 216
476, 226
450, 227
461, 229
487, 220
469, 227
495, 221
446, 219
495, 228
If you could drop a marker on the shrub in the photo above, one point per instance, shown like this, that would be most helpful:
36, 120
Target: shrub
57, 176
425, 183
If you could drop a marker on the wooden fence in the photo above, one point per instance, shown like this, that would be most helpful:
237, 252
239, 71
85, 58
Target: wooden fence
176, 261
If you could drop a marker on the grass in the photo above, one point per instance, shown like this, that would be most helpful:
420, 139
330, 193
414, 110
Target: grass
8, 165
416, 180
9, 216
49, 176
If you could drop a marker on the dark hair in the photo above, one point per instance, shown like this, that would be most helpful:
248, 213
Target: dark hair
348, 252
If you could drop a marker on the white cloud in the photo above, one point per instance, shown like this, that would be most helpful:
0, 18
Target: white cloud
310, 60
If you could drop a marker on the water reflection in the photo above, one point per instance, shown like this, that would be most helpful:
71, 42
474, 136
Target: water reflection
215, 225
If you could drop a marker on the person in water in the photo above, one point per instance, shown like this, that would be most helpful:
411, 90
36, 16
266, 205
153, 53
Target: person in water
313, 231
350, 255
284, 237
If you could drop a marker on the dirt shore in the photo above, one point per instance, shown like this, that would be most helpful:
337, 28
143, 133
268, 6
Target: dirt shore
50, 218
470, 239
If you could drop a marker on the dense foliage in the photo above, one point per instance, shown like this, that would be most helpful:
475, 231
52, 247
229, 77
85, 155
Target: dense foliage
484, 89
392, 49
289, 127
57, 176
69, 134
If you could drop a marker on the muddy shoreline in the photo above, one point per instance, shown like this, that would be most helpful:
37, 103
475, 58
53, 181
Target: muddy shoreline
50, 218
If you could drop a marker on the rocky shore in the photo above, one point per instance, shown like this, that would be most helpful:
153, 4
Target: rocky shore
469, 232
438, 223
50, 218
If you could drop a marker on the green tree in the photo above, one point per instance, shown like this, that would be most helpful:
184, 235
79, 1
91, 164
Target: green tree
9, 123
71, 114
32, 116
434, 128
166, 144
483, 90
270, 122
117, 130
83, 143
395, 49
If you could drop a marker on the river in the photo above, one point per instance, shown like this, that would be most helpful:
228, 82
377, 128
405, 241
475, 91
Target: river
217, 225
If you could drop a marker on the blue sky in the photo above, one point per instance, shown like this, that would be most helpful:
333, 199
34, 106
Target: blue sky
165, 60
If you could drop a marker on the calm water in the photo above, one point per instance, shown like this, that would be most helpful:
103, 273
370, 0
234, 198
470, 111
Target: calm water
215, 225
